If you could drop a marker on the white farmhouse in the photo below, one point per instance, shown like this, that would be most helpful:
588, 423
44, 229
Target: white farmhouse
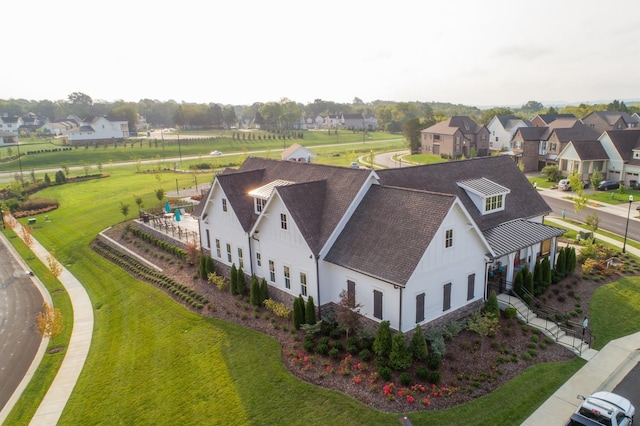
415, 245
99, 129
501, 131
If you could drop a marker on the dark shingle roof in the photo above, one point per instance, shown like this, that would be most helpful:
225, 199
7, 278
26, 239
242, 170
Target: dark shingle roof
590, 150
579, 132
625, 141
532, 133
322, 201
549, 118
389, 232
523, 201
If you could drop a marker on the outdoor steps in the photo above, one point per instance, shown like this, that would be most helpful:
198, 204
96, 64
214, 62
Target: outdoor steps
549, 328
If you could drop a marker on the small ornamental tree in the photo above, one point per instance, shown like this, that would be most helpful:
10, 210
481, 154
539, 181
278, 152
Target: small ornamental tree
202, 266
348, 312
298, 314
47, 179
561, 263
264, 290
419, 345
241, 282
528, 279
233, 279
400, 357
210, 266
159, 194
124, 209
537, 274
382, 342
571, 260
310, 312
545, 265
254, 292
193, 252
49, 322
491, 307
54, 266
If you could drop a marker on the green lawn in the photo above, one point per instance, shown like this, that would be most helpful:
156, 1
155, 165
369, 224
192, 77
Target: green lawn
615, 310
153, 362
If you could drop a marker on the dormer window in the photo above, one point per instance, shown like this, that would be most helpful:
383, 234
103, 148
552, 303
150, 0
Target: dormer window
259, 204
488, 196
262, 194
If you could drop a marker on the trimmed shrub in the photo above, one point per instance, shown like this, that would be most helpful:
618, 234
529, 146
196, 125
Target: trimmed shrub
510, 312
365, 355
434, 361
422, 373
298, 313
385, 373
383, 343
310, 312
491, 306
434, 377
400, 357
405, 379
419, 345
264, 290
241, 283
233, 279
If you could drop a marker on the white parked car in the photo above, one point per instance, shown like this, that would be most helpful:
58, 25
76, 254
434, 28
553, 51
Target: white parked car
215, 153
354, 165
603, 408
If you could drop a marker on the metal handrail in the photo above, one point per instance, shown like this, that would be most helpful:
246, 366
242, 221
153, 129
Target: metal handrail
551, 322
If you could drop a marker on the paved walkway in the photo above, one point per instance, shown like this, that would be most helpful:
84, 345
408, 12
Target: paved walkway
50, 409
607, 367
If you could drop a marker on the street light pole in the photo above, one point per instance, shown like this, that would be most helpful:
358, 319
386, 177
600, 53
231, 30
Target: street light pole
624, 245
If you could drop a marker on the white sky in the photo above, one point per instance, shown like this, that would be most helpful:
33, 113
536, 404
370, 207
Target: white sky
489, 52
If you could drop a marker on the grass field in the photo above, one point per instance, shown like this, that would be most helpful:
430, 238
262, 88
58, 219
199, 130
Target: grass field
153, 362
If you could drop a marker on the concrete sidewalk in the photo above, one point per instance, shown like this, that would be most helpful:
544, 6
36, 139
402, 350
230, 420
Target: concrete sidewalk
50, 409
608, 366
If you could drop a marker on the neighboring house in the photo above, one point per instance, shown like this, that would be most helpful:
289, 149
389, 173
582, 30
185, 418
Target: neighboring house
413, 245
537, 147
58, 128
371, 122
601, 121
8, 138
99, 129
542, 120
623, 150
501, 130
353, 121
456, 137
583, 158
333, 121
11, 124
297, 152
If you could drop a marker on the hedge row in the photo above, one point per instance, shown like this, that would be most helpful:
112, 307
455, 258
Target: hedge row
147, 274
169, 248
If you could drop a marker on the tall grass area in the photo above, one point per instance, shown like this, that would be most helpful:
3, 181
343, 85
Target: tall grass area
154, 362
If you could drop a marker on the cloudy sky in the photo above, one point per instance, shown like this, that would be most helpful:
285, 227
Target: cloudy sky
483, 53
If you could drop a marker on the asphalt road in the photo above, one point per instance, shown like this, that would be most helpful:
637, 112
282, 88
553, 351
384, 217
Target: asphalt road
629, 388
608, 222
20, 302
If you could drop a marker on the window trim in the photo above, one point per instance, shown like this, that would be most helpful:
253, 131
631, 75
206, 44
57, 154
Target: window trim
446, 297
218, 249
286, 270
471, 286
377, 304
303, 284
224, 205
229, 253
448, 238
420, 304
272, 271
283, 221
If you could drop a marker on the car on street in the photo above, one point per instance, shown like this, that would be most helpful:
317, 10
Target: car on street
606, 185
603, 408
215, 153
564, 185
354, 165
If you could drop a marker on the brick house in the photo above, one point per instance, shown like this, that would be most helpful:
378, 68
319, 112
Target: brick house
456, 137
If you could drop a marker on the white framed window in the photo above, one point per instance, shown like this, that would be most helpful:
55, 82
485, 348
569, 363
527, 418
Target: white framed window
287, 277
446, 297
493, 203
224, 204
259, 204
218, 250
303, 284
229, 258
272, 271
258, 259
240, 259
283, 221
448, 238
208, 238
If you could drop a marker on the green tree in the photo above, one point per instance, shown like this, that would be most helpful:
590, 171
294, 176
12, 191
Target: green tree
491, 306
546, 272
348, 312
411, 131
531, 107
484, 326
561, 263
254, 292
551, 172
124, 209
80, 98
382, 342
241, 283
47, 179
159, 194
138, 203
298, 313
233, 279
487, 115
418, 345
310, 312
596, 178
400, 357
264, 290
592, 221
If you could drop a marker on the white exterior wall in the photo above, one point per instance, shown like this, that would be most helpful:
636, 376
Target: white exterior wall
284, 248
438, 266
225, 227
103, 129
334, 280
503, 136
